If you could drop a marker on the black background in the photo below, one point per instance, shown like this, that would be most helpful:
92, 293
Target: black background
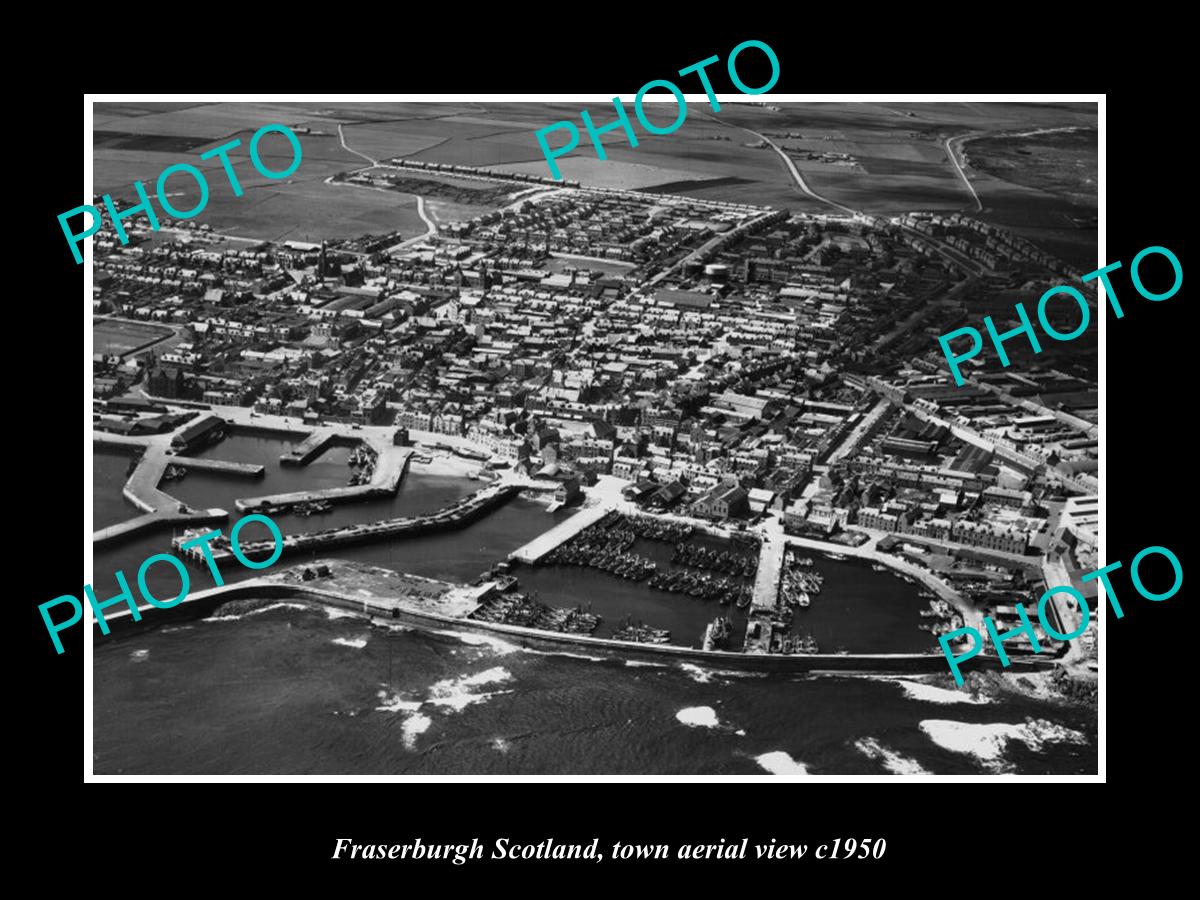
940, 835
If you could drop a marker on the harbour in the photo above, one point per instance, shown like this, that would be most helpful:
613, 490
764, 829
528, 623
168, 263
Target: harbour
375, 593
646, 470
654, 578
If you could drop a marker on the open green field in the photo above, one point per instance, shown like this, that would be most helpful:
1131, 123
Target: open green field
902, 163
301, 207
444, 212
1062, 163
119, 337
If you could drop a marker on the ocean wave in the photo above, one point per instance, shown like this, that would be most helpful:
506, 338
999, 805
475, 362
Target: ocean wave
414, 726
565, 653
1042, 731
499, 646
987, 742
694, 672
255, 612
356, 643
640, 663
458, 694
396, 703
892, 761
780, 763
699, 717
335, 612
171, 629
741, 673
918, 690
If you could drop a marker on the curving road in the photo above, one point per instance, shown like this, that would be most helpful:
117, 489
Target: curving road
958, 167
348, 148
791, 166
430, 225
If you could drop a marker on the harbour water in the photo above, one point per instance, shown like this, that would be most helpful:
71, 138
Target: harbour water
297, 688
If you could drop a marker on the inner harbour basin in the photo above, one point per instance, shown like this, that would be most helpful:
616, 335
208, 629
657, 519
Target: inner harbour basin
460, 542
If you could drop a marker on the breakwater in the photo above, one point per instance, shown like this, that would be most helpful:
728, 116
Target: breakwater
285, 585
310, 448
455, 516
559, 534
390, 471
141, 489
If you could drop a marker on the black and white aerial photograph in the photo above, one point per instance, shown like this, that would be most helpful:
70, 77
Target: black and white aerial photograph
480, 453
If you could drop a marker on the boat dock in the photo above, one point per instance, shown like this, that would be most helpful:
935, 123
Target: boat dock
310, 448
455, 516
869, 552
155, 519
391, 464
766, 578
141, 489
220, 466
559, 534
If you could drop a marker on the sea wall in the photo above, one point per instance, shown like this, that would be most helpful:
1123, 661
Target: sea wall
203, 603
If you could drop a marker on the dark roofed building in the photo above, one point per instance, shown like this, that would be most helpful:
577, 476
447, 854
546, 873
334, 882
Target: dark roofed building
689, 299
723, 501
207, 429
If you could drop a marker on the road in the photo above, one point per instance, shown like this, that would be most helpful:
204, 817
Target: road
859, 433
956, 258
349, 149
958, 168
791, 166
429, 223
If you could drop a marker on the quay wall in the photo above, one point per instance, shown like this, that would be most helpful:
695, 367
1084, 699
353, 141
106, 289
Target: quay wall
453, 517
204, 602
266, 430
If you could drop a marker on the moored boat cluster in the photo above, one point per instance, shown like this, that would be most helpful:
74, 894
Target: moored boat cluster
706, 587
718, 560
647, 527
523, 610
640, 632
362, 464
604, 550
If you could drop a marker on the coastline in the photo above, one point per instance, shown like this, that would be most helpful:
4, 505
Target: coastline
287, 584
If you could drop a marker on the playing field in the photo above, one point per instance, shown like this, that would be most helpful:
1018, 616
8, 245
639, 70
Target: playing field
119, 337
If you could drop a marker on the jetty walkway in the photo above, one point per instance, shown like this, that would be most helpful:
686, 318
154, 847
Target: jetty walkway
559, 534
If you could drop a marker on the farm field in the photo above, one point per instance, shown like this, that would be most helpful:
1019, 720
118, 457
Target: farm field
899, 153
302, 207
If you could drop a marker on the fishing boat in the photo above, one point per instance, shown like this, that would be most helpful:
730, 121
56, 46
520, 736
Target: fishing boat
803, 599
840, 557
717, 633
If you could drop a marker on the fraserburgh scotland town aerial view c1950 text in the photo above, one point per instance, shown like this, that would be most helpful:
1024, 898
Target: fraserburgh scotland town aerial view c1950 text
653, 468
